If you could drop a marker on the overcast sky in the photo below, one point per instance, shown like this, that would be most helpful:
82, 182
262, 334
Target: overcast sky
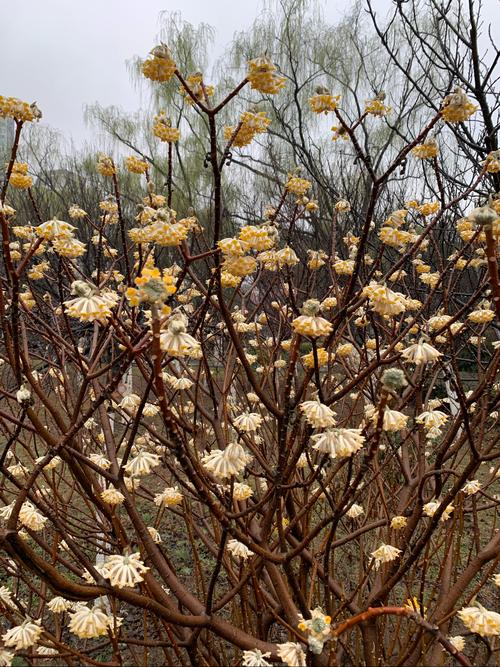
68, 53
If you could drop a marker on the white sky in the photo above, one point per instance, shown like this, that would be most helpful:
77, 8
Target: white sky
68, 53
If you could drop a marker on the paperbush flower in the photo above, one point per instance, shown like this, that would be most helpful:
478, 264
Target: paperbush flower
398, 522
30, 517
355, 511
228, 462
112, 496
249, 126
421, 353
298, 186
169, 497
317, 628
136, 165
257, 238
58, 605
317, 414
310, 323
255, 658
153, 286
69, 247
428, 150
6, 658
339, 442
471, 487
238, 549
19, 176
323, 101
199, 89
159, 66
11, 107
385, 554
125, 570
262, 76
5, 596
177, 342
457, 642
242, 491
457, 107
376, 107
89, 305
88, 623
248, 421
478, 619
23, 636
142, 464
162, 128
292, 654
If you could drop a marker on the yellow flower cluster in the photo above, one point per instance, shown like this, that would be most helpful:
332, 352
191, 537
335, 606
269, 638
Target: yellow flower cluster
76, 213
159, 66
37, 272
152, 287
310, 323
136, 165
237, 263
339, 132
322, 354
169, 234
428, 208
384, 301
323, 101
317, 628
478, 619
395, 238
60, 233
105, 165
492, 163
298, 186
343, 267
11, 107
466, 229
89, 305
483, 315
457, 107
162, 228
256, 237
251, 123
429, 149
163, 129
69, 247
376, 107
228, 280
19, 177
262, 76
316, 259
196, 86
239, 266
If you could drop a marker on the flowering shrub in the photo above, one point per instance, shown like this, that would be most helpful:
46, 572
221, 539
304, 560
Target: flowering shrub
227, 449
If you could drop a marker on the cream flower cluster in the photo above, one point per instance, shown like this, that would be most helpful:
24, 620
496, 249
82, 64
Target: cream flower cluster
227, 462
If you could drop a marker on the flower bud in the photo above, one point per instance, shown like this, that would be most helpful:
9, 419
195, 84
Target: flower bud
393, 379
